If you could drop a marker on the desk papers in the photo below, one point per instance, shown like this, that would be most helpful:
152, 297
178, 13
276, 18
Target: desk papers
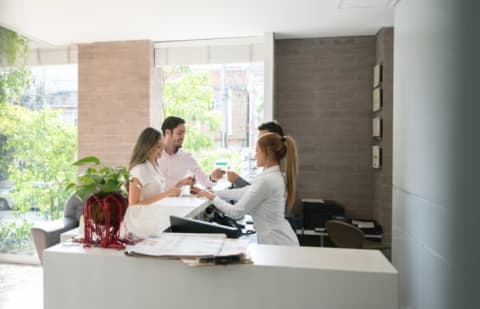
193, 249
363, 224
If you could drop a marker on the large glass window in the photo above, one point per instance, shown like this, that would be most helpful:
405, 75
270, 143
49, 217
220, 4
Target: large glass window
223, 105
38, 119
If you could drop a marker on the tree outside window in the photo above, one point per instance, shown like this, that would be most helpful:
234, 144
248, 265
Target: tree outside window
221, 108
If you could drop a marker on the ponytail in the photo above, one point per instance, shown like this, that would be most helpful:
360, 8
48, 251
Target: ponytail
279, 148
291, 170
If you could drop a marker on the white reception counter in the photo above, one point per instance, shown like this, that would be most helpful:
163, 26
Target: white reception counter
280, 277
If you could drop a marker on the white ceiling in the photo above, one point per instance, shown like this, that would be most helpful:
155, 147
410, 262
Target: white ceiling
61, 22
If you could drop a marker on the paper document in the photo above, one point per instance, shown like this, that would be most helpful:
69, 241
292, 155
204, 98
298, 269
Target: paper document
194, 249
234, 247
178, 245
234, 251
363, 224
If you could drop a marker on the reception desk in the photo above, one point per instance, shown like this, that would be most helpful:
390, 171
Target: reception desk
280, 277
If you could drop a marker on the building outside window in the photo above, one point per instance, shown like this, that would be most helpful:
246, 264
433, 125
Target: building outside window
217, 86
223, 106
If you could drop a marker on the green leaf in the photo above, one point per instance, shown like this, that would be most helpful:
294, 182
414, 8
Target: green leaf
87, 160
69, 187
111, 186
85, 191
12, 45
102, 180
105, 170
85, 179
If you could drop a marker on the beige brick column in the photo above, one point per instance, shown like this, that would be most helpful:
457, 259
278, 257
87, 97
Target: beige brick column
117, 98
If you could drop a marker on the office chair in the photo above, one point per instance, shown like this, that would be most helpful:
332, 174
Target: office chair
345, 235
47, 234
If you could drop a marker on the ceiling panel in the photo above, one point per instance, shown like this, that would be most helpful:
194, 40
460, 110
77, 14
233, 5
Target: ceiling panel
61, 22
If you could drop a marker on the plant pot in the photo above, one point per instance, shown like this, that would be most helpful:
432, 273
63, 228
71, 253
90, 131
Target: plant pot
103, 216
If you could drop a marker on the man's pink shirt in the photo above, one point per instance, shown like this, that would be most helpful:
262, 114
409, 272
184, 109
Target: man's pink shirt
177, 166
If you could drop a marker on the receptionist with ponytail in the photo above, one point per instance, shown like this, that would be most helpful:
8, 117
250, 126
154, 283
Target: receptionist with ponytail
265, 198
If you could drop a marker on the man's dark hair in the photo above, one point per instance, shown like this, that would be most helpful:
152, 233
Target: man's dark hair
272, 126
171, 122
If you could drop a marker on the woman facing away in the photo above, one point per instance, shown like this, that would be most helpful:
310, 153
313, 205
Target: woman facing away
148, 183
265, 198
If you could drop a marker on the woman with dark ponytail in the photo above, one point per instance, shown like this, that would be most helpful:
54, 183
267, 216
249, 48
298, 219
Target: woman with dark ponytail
265, 198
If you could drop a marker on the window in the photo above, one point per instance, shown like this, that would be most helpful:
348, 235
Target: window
223, 105
217, 86
38, 144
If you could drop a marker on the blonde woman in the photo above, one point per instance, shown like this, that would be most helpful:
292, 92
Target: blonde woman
148, 183
265, 198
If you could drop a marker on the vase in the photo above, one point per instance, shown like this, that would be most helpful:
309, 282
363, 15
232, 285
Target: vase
103, 215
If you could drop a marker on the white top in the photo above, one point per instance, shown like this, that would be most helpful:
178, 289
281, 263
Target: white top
146, 220
265, 201
179, 165
151, 179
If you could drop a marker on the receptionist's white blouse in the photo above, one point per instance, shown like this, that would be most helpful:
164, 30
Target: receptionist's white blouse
265, 201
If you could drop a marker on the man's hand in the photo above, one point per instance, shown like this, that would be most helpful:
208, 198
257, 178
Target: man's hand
206, 194
187, 181
217, 174
194, 190
232, 176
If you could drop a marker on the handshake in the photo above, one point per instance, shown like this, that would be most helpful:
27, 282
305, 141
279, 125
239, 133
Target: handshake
188, 183
216, 175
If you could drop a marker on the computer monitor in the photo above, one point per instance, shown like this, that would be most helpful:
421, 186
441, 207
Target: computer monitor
188, 225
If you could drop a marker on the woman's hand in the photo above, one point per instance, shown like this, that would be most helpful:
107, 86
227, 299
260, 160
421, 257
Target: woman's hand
175, 191
232, 176
187, 181
216, 174
195, 190
206, 194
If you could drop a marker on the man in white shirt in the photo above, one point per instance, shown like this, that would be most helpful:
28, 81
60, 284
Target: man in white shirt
178, 166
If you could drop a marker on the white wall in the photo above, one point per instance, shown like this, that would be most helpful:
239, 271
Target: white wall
436, 153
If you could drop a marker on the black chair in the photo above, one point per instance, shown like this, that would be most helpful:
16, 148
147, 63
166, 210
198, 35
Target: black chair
316, 212
345, 235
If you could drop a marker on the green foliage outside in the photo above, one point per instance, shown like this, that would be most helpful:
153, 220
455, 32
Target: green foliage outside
12, 85
189, 95
42, 148
207, 159
15, 237
12, 46
36, 147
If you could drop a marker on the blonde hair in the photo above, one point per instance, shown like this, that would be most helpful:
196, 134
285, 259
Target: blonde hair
279, 147
147, 141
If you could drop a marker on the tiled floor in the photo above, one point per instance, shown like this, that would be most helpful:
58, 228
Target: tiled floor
21, 286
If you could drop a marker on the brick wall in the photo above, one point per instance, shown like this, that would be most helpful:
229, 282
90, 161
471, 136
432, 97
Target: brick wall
382, 198
323, 98
115, 95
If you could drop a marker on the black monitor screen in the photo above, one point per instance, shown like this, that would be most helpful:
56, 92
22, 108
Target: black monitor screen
187, 225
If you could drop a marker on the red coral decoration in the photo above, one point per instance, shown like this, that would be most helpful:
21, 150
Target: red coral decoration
103, 216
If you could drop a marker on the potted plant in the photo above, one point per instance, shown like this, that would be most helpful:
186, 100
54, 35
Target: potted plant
105, 191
